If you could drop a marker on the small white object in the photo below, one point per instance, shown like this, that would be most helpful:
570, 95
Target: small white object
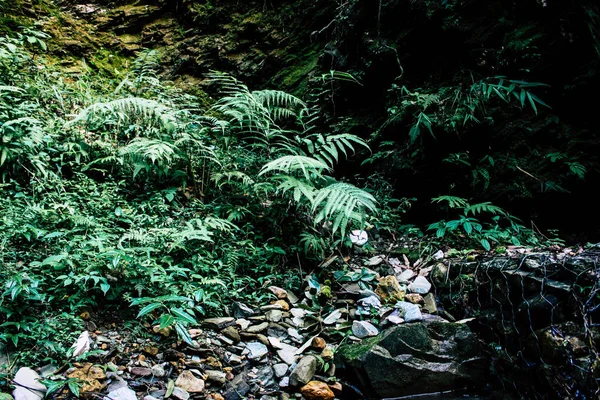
82, 344
438, 255
359, 237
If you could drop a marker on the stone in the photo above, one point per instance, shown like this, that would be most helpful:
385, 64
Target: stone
283, 304
328, 353
336, 387
429, 304
237, 388
141, 371
273, 316
216, 376
188, 382
241, 310
257, 328
48, 370
27, 385
280, 369
318, 343
332, 317
292, 297
304, 371
411, 359
359, 237
288, 353
278, 292
420, 285
406, 275
150, 350
257, 350
123, 393
410, 312
389, 289
218, 323
148, 397
180, 393
91, 375
158, 371
275, 343
232, 333
242, 323
414, 298
195, 332
363, 329
315, 390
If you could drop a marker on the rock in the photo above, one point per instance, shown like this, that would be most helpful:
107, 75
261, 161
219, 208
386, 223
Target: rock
283, 304
363, 329
274, 316
332, 317
257, 328
288, 353
162, 331
411, 359
389, 289
188, 382
275, 343
336, 388
158, 371
280, 369
150, 350
91, 375
195, 332
414, 298
359, 237
241, 310
375, 261
216, 376
430, 305
315, 390
232, 334
147, 397
278, 292
180, 393
395, 318
410, 312
218, 323
116, 384
370, 301
406, 275
48, 370
27, 385
213, 362
318, 343
257, 350
292, 297
141, 371
285, 382
237, 388
420, 285
123, 393
304, 371
438, 255
328, 353
242, 323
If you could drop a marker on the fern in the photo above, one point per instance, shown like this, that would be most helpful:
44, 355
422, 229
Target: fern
485, 207
310, 167
342, 203
453, 201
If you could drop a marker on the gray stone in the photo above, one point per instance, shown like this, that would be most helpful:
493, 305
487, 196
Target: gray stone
257, 328
188, 382
430, 306
410, 312
232, 334
149, 397
275, 343
218, 323
123, 393
257, 350
237, 388
216, 376
116, 384
420, 285
141, 371
363, 329
28, 386
304, 371
288, 353
180, 393
48, 370
241, 310
406, 275
274, 315
158, 371
280, 369
417, 358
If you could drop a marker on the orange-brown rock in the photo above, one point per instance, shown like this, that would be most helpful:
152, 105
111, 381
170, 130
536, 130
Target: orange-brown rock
315, 390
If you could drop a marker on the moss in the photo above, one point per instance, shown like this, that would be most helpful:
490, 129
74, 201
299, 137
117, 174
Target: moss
353, 352
292, 77
109, 62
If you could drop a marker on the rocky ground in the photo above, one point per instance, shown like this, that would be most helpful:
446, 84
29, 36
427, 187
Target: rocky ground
340, 340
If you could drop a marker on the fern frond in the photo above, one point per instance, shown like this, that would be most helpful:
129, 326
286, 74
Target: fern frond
483, 207
453, 201
309, 166
300, 187
343, 203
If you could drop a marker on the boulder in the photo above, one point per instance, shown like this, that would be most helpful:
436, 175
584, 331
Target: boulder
417, 358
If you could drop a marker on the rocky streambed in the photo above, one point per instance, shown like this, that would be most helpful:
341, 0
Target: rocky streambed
382, 328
